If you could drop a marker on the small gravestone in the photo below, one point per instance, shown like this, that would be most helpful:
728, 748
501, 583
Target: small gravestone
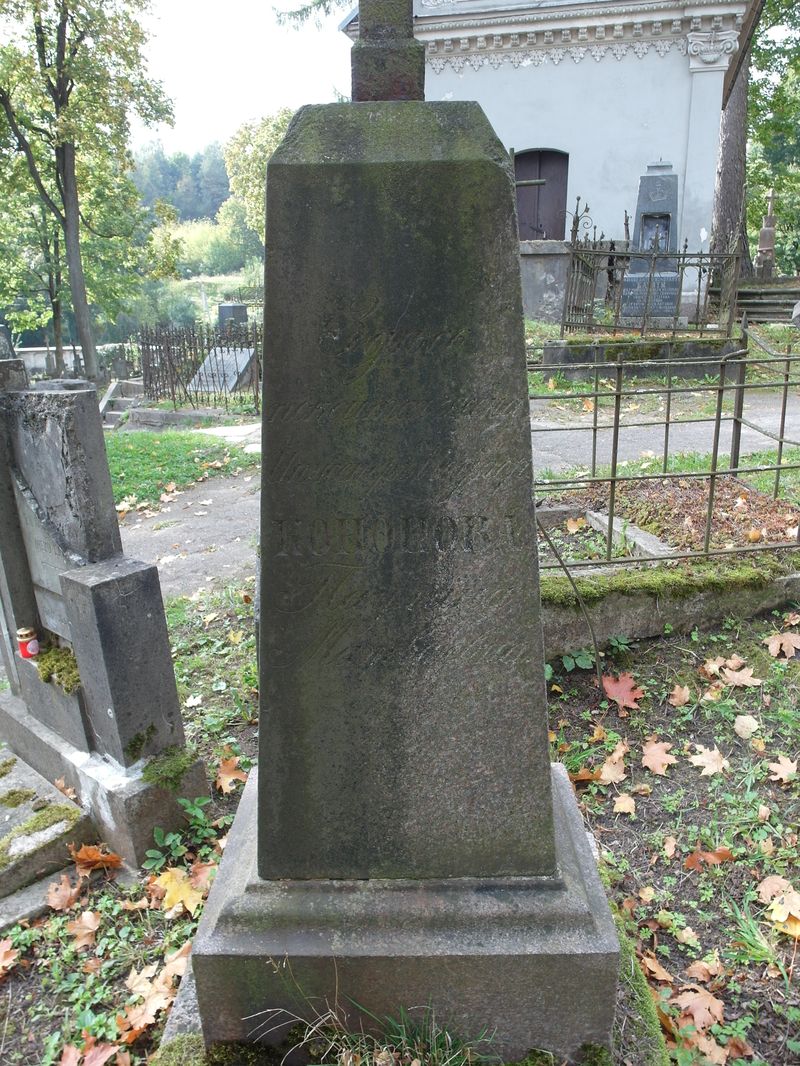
650, 289
225, 370
414, 844
63, 574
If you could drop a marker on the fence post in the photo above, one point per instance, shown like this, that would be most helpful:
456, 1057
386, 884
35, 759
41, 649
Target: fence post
738, 400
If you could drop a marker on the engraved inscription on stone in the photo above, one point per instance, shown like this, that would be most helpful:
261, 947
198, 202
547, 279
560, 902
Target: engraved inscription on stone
663, 297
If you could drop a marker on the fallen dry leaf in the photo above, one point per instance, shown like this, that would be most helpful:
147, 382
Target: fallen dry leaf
70, 1055
656, 757
574, 524
763, 813
772, 886
713, 1054
228, 774
94, 857
705, 969
784, 770
712, 667
670, 843
745, 726
613, 769
584, 774
654, 969
710, 760
8, 957
84, 929
679, 696
741, 678
62, 786
136, 905
687, 935
61, 895
782, 643
784, 911
625, 804
178, 889
98, 1054
202, 874
738, 1048
704, 1009
622, 690
697, 858
647, 894
140, 982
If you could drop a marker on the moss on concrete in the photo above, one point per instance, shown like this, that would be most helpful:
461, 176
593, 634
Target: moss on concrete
642, 1017
59, 667
167, 769
7, 765
187, 1049
138, 743
43, 819
675, 581
15, 797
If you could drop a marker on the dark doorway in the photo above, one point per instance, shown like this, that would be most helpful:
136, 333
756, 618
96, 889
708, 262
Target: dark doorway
542, 209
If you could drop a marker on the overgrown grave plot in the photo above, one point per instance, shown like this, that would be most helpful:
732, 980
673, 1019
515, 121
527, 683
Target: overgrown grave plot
93, 979
686, 764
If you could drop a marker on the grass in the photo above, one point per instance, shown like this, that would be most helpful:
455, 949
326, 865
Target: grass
142, 464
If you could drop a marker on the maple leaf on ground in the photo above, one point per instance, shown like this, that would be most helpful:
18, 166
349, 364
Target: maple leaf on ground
656, 757
61, 895
84, 929
176, 962
670, 843
94, 857
712, 667
738, 1048
697, 858
687, 935
711, 760
622, 690
70, 1055
613, 769
123, 1058
713, 1054
136, 905
784, 911
705, 969
8, 957
679, 696
577, 777
785, 643
178, 889
654, 969
704, 1009
95, 1054
140, 983
741, 678
784, 770
625, 804
772, 886
228, 774
201, 874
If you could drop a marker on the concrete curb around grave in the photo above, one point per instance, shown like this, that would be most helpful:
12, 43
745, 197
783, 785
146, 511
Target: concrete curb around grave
638, 615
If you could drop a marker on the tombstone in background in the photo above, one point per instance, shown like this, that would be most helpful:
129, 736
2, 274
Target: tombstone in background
415, 846
231, 314
226, 369
63, 574
656, 293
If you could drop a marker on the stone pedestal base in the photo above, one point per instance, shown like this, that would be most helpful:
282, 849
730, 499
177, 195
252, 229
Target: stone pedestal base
532, 959
124, 808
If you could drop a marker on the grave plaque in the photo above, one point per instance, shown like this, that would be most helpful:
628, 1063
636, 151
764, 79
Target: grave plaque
414, 846
658, 295
224, 370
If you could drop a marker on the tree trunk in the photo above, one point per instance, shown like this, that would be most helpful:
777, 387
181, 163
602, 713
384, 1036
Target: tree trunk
728, 231
65, 160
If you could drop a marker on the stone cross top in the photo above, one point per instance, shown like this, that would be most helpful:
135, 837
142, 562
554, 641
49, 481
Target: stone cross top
388, 64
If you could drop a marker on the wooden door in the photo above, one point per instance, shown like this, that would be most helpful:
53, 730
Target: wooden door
542, 209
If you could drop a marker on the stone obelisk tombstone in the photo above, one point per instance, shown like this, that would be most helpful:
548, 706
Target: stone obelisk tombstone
414, 844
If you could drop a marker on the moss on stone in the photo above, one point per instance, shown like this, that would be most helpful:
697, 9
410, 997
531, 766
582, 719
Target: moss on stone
245, 1055
186, 1049
167, 769
137, 744
43, 819
7, 765
678, 581
59, 666
642, 1016
15, 797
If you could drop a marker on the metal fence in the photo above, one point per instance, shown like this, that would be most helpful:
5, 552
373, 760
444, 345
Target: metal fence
622, 442
613, 289
203, 366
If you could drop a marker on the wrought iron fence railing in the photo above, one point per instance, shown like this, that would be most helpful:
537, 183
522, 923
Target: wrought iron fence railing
703, 455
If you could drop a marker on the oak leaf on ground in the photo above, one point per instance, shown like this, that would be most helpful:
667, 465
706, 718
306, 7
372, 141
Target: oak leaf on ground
710, 760
656, 757
622, 690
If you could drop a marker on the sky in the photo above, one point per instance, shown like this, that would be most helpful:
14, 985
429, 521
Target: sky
223, 64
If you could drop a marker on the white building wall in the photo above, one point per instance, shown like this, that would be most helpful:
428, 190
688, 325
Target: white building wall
613, 117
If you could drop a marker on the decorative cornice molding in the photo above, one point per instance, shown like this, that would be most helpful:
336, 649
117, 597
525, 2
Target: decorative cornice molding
710, 46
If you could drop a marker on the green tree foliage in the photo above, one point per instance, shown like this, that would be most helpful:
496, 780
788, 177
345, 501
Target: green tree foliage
246, 155
773, 158
196, 186
71, 74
